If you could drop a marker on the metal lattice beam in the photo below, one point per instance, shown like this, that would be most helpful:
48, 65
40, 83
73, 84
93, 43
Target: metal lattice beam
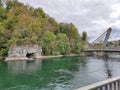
107, 37
103, 38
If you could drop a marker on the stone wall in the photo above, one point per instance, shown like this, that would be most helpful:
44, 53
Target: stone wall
23, 50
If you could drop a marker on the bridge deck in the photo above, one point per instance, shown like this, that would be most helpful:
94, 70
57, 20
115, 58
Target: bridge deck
102, 50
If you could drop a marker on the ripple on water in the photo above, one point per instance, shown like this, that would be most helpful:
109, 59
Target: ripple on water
19, 87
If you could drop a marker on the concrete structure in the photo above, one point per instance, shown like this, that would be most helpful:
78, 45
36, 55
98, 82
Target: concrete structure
24, 52
109, 49
102, 44
109, 84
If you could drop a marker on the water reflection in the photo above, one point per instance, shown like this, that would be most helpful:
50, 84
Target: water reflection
18, 67
65, 73
108, 68
57, 74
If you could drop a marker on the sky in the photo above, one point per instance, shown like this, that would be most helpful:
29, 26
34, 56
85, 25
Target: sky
92, 16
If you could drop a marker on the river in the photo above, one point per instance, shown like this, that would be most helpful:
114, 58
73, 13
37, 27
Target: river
64, 73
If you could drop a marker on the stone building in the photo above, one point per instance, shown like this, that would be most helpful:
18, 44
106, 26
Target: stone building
24, 52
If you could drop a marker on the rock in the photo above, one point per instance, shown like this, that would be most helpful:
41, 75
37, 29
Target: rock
24, 52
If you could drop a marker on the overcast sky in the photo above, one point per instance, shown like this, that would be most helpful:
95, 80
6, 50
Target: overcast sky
92, 16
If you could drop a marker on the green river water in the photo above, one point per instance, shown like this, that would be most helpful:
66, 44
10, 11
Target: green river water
65, 73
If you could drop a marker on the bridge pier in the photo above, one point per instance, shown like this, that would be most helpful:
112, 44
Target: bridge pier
96, 53
113, 54
106, 55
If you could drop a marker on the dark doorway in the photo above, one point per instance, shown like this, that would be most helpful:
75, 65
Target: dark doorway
30, 55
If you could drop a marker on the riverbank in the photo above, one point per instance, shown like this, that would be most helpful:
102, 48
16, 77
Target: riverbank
30, 59
40, 57
17, 59
43, 57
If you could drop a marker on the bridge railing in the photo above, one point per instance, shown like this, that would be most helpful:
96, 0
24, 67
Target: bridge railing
114, 48
110, 84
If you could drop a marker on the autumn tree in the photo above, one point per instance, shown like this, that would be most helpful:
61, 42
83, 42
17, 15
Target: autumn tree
22, 24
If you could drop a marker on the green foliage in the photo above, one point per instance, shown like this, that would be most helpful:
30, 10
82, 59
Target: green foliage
48, 42
3, 13
3, 41
68, 29
63, 43
3, 52
84, 36
20, 24
78, 45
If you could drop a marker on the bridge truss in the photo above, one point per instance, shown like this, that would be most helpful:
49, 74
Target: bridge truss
109, 41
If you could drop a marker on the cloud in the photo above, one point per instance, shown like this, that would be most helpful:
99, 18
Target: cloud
92, 16
116, 11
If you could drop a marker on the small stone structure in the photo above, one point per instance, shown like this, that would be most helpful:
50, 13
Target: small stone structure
24, 52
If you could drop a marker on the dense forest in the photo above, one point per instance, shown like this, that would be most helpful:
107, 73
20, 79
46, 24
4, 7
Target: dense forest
22, 25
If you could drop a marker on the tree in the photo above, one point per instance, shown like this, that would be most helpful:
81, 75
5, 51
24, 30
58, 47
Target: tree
84, 36
21, 25
63, 43
3, 42
78, 44
48, 43
3, 13
9, 5
68, 29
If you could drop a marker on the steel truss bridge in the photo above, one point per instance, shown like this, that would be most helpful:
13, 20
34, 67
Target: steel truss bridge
106, 42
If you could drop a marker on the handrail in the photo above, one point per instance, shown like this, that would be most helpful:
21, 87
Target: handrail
109, 84
104, 50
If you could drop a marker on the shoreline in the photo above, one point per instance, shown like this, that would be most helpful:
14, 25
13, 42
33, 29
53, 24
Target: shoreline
52, 56
40, 57
29, 59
